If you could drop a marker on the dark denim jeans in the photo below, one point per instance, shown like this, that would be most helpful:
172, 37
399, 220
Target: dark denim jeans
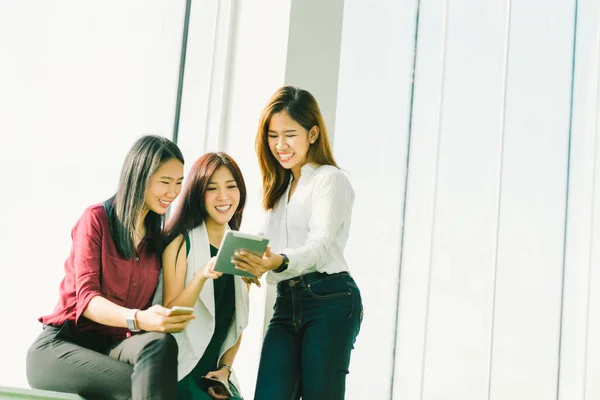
306, 351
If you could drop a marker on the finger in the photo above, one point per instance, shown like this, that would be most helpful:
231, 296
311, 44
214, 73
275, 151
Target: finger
241, 258
178, 319
161, 310
250, 257
174, 328
243, 265
215, 395
239, 264
211, 374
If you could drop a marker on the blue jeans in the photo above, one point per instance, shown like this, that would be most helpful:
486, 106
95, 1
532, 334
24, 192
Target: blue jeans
306, 351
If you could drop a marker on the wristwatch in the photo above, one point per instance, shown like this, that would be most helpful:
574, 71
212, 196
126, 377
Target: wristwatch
284, 265
223, 365
131, 322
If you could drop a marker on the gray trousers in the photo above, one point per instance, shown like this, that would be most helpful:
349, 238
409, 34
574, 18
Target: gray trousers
143, 366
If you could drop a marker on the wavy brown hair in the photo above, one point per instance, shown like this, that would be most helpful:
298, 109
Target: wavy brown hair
303, 108
191, 210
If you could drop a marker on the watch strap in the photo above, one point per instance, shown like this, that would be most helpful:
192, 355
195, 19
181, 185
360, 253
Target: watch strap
284, 265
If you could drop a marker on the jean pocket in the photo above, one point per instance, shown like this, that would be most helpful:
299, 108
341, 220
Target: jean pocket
329, 288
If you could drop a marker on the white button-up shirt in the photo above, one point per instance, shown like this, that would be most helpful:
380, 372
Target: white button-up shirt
312, 228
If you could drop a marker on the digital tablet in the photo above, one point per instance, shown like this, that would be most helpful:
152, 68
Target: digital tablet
233, 241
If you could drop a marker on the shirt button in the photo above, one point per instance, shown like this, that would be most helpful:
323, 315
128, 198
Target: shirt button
133, 283
137, 259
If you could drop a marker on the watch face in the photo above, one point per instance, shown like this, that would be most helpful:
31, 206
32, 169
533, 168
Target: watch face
130, 320
131, 325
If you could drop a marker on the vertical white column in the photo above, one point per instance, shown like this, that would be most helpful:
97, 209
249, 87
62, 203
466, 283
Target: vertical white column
421, 189
462, 250
579, 346
533, 201
313, 52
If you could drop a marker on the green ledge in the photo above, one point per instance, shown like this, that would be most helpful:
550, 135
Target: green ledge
20, 393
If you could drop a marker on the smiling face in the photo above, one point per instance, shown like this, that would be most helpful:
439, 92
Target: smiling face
164, 186
222, 197
289, 141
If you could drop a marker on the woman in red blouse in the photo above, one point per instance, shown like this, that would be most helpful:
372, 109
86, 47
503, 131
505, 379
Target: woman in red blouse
103, 340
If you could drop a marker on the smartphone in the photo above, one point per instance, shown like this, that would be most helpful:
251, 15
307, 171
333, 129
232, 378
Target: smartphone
218, 386
180, 310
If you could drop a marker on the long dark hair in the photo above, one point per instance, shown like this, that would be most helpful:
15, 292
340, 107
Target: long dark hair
143, 159
191, 210
303, 108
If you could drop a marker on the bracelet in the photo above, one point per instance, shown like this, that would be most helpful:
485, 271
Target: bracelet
226, 366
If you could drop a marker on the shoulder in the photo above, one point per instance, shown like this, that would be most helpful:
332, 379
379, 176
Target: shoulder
95, 211
174, 244
330, 176
93, 216
330, 172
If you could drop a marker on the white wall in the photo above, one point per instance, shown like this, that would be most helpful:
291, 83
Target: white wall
79, 83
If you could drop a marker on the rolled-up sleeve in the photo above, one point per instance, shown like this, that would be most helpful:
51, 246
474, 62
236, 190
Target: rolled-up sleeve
87, 246
332, 202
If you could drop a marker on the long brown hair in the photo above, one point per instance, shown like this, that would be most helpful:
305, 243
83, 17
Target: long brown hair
303, 108
191, 210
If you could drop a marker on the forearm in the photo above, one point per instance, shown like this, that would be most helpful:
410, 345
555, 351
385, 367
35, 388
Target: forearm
230, 354
189, 294
307, 257
107, 313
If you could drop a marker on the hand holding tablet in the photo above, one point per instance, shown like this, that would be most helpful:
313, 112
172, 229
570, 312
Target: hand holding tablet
234, 241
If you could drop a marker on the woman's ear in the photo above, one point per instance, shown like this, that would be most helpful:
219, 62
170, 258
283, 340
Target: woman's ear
313, 134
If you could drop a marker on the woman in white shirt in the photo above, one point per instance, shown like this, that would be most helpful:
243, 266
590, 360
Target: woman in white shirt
318, 311
212, 201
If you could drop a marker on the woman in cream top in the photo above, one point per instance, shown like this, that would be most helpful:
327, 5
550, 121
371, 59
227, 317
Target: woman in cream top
212, 201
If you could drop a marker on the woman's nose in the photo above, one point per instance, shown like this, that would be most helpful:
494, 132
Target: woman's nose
281, 143
222, 194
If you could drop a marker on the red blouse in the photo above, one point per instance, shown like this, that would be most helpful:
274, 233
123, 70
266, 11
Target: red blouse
95, 268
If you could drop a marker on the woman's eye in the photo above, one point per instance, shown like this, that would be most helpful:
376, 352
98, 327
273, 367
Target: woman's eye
211, 188
231, 187
290, 135
164, 183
